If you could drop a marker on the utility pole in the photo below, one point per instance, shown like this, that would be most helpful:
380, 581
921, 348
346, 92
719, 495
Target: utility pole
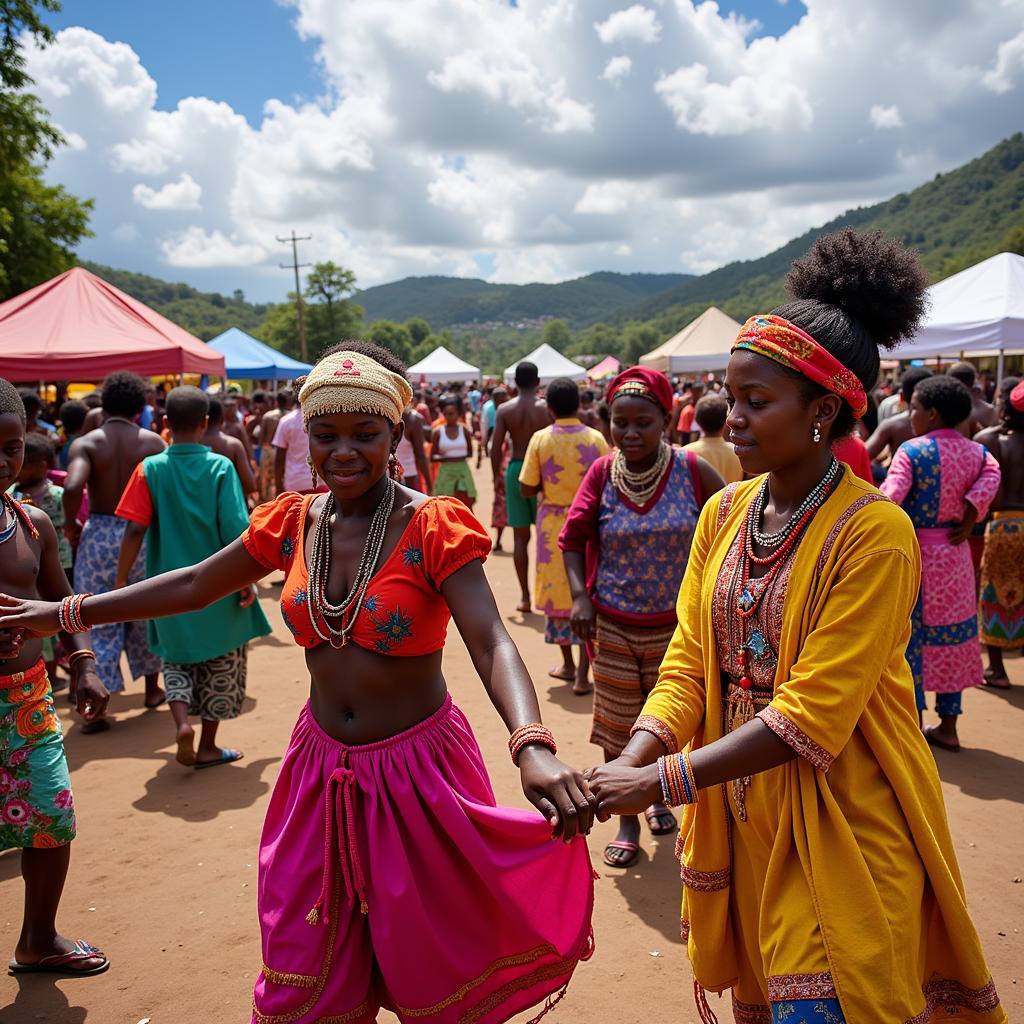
295, 265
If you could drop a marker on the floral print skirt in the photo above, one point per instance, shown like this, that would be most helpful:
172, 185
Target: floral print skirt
36, 806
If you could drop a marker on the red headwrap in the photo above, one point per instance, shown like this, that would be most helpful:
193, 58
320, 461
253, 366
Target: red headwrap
644, 383
1017, 397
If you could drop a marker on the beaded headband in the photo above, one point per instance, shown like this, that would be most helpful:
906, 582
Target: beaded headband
786, 344
352, 382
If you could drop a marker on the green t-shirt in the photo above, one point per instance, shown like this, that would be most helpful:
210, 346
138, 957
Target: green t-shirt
198, 509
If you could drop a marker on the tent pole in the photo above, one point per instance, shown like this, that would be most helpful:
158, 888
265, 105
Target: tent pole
1000, 368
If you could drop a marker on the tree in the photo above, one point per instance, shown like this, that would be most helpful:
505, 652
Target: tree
394, 337
39, 223
418, 329
327, 284
556, 334
636, 340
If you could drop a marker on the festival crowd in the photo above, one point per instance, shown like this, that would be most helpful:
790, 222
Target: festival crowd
756, 579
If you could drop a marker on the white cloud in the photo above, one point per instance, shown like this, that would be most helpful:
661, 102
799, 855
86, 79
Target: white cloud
454, 134
1009, 63
195, 247
616, 68
885, 117
633, 23
183, 194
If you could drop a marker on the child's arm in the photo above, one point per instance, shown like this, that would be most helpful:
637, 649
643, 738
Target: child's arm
172, 593
52, 584
134, 535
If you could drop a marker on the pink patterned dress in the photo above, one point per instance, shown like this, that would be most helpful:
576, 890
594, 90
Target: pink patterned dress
933, 477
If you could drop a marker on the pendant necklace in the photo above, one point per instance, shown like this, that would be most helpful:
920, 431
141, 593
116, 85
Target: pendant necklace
320, 570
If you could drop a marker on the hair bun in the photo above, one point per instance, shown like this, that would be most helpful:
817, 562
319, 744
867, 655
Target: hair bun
872, 278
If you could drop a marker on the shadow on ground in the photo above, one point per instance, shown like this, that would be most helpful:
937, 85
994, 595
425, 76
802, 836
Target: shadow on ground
39, 999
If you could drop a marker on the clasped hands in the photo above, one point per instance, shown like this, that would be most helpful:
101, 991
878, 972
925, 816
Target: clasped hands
571, 801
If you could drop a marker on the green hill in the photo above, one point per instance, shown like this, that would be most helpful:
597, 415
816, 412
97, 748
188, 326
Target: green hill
954, 221
204, 314
445, 301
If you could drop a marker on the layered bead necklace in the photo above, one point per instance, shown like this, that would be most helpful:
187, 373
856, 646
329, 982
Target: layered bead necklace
640, 487
753, 643
17, 514
320, 607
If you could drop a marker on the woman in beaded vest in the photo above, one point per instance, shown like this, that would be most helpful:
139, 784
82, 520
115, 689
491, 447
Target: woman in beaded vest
820, 882
625, 544
388, 875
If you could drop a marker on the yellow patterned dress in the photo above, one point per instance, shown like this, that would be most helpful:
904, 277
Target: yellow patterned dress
832, 876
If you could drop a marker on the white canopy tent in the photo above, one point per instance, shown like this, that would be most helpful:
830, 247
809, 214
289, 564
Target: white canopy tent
978, 312
701, 346
550, 364
443, 367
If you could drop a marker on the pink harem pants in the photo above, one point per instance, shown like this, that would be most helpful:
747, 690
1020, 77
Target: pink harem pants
389, 877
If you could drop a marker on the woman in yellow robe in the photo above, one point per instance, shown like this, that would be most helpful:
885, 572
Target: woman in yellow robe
820, 882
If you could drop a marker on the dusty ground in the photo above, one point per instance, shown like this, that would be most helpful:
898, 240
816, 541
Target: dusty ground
163, 874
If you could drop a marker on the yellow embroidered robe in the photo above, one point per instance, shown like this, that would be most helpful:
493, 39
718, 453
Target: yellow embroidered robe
875, 862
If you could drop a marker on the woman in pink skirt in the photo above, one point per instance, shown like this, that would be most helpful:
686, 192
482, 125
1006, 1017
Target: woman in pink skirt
388, 875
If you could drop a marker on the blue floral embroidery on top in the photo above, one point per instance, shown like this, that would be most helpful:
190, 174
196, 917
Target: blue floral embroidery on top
394, 628
287, 548
298, 600
412, 556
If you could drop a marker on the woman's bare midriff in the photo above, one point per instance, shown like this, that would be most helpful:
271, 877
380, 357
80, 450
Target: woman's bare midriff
358, 696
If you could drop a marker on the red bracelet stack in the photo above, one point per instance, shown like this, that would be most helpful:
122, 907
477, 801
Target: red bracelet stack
69, 614
678, 786
527, 734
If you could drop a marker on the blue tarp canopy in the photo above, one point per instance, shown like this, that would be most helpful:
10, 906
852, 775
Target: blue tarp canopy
245, 358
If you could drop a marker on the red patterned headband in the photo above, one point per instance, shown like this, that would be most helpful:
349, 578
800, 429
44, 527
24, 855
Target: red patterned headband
788, 345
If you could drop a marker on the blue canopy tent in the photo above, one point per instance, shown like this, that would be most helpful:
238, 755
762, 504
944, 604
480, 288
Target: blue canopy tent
245, 358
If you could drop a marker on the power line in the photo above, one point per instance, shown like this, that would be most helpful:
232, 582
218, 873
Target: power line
295, 265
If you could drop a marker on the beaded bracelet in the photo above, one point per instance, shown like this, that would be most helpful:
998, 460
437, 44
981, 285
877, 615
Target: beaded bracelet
678, 785
535, 733
69, 614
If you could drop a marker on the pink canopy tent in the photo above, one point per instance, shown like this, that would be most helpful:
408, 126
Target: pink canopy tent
608, 367
78, 326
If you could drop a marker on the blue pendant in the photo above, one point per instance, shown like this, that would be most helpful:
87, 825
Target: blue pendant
747, 601
757, 645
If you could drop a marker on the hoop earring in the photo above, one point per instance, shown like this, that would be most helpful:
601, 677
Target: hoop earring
312, 472
817, 434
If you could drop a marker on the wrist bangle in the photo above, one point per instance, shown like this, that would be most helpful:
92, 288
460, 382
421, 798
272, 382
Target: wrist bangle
535, 733
76, 656
69, 614
678, 785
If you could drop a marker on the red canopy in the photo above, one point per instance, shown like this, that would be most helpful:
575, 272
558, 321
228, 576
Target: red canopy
78, 326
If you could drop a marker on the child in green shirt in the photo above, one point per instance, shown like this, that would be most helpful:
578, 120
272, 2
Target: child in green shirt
188, 504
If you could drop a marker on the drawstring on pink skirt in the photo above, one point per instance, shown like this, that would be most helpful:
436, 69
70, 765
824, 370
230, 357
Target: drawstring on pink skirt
340, 820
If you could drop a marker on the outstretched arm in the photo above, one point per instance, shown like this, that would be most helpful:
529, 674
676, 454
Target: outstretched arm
172, 593
556, 790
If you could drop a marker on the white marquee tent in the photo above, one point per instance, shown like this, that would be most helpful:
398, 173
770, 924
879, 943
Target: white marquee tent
701, 346
443, 367
979, 312
550, 364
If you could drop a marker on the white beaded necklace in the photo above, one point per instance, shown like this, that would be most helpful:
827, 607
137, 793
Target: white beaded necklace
640, 487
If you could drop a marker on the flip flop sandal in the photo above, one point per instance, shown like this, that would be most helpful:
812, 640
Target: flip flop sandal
622, 844
992, 685
929, 735
227, 755
153, 707
652, 815
62, 963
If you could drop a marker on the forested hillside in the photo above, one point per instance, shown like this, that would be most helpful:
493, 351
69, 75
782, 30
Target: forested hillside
445, 301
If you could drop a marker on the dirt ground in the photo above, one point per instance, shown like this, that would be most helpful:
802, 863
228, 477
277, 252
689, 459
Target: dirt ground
163, 874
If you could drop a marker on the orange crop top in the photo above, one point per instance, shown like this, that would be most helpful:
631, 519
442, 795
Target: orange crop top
403, 612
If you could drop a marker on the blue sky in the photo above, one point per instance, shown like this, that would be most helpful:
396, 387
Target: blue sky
246, 51
538, 144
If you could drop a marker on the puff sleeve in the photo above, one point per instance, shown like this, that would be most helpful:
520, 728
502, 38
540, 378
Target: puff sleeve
451, 537
274, 531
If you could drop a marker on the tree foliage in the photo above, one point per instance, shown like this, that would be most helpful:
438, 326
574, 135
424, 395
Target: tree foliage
394, 337
40, 224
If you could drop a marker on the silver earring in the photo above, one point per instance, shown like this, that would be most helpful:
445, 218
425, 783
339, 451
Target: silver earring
817, 434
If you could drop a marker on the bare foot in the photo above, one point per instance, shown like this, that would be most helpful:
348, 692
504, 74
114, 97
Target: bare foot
154, 700
937, 738
186, 753
996, 680
562, 672
581, 687
524, 606
96, 725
